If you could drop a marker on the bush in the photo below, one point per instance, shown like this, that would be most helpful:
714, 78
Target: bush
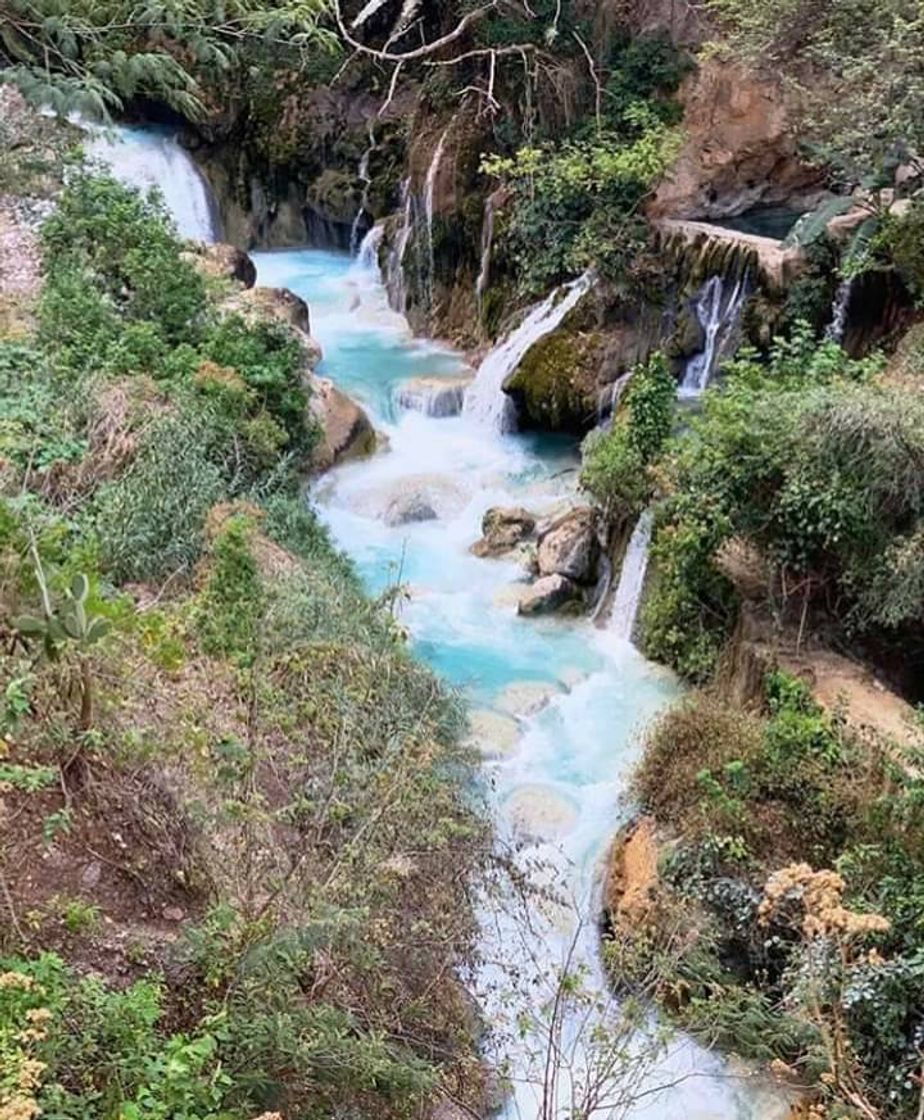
809, 461
615, 462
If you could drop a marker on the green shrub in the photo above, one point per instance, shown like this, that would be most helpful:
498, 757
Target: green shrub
615, 462
231, 606
150, 520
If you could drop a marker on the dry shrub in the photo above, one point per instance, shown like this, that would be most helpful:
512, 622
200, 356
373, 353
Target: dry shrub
119, 414
701, 733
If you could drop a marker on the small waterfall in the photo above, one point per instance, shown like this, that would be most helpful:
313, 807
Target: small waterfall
146, 158
365, 177
609, 397
395, 283
367, 256
632, 579
429, 193
485, 400
487, 241
718, 316
433, 396
840, 310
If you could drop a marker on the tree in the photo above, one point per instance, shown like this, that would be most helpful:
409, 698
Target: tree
95, 55
856, 67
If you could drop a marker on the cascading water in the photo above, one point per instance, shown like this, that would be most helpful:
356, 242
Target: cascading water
395, 280
485, 400
368, 254
840, 311
632, 580
429, 198
487, 243
717, 311
557, 704
146, 158
365, 177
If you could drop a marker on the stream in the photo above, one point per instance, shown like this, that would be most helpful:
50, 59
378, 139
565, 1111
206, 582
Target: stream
558, 706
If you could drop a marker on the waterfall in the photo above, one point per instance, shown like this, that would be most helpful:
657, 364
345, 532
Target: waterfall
840, 309
395, 283
609, 397
153, 158
365, 177
718, 316
429, 192
368, 254
485, 400
632, 579
487, 240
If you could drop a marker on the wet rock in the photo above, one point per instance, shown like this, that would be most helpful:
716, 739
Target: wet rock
223, 262
569, 547
410, 509
503, 528
540, 812
433, 396
492, 733
346, 431
547, 595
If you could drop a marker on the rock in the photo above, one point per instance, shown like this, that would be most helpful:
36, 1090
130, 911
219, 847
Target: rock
433, 396
279, 305
440, 492
632, 875
410, 509
91, 874
223, 262
540, 812
503, 528
334, 197
492, 733
570, 548
525, 698
274, 303
546, 595
174, 913
346, 431
739, 149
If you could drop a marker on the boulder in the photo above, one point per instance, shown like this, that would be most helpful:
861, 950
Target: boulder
546, 595
503, 528
277, 304
223, 262
346, 431
569, 547
410, 509
632, 876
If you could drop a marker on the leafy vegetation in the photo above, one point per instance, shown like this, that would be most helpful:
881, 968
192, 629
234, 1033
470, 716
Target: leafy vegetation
817, 969
94, 56
578, 198
807, 460
207, 723
616, 461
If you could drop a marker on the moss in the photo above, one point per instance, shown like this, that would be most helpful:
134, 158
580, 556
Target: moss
555, 383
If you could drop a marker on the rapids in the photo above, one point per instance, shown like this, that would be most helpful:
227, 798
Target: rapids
558, 706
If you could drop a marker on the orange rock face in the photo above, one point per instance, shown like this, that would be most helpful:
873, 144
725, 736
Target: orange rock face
738, 150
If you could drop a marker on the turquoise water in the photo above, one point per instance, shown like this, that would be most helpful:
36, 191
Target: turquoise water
558, 706
565, 703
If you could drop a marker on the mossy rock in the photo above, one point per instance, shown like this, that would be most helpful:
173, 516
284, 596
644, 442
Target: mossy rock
555, 385
333, 195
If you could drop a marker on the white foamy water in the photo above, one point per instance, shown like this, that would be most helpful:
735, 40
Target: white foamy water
632, 580
486, 403
146, 158
568, 701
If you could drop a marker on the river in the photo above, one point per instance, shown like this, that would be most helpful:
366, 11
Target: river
558, 705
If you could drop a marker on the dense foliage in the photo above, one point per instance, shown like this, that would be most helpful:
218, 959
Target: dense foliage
96, 55
616, 462
578, 197
251, 795
833, 989
815, 464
